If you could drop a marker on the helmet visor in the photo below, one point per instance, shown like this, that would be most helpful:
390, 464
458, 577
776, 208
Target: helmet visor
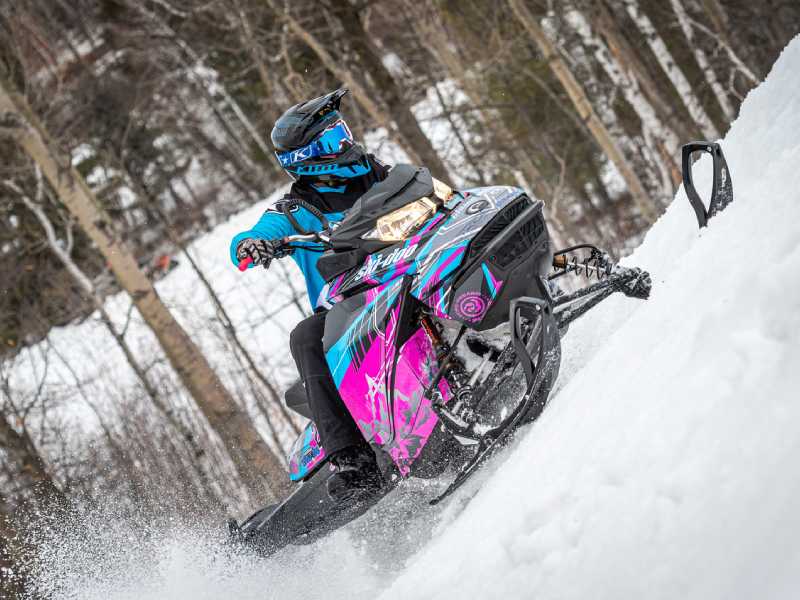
331, 141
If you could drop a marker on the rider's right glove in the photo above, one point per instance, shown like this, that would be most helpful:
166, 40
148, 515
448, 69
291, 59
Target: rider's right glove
260, 251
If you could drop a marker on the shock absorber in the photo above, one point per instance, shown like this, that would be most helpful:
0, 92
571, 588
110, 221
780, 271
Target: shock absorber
597, 264
459, 415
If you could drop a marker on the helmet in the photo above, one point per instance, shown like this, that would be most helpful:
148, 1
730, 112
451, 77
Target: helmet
313, 142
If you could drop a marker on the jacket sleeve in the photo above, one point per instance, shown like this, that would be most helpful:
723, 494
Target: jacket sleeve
271, 225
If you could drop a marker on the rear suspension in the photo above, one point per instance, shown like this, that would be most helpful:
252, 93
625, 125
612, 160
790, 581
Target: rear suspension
610, 278
459, 414
597, 264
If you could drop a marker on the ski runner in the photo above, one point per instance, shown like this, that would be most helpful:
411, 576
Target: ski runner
331, 171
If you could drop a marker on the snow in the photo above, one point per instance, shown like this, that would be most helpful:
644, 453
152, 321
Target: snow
258, 301
665, 465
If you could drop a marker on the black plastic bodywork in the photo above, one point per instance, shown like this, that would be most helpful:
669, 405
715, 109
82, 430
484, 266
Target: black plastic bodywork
721, 188
403, 184
297, 400
516, 245
331, 263
306, 515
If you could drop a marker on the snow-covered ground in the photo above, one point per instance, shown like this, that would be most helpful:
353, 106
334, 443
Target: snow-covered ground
665, 466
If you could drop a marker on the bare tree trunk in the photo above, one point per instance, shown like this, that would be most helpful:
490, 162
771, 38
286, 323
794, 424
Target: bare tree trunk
585, 109
393, 112
385, 86
672, 70
63, 254
29, 464
251, 456
719, 21
257, 54
654, 130
429, 26
702, 60
446, 110
607, 25
222, 313
12, 581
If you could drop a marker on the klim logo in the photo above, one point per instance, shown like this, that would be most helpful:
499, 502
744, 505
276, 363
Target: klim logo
380, 262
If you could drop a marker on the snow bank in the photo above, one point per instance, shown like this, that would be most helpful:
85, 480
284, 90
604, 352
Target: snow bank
667, 466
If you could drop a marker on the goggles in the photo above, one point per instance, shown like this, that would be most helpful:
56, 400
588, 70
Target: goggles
332, 141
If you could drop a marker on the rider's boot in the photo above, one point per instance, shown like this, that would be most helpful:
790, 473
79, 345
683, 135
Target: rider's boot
356, 474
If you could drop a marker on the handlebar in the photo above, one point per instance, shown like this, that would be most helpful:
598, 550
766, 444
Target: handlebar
311, 237
285, 241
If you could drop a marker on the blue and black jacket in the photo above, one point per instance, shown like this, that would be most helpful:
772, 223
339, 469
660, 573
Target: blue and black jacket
334, 205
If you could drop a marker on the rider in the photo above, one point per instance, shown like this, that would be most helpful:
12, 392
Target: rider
315, 147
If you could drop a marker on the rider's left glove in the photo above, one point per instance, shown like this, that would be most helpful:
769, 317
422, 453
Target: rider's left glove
260, 251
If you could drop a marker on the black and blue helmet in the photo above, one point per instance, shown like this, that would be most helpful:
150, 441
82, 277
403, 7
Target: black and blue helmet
312, 141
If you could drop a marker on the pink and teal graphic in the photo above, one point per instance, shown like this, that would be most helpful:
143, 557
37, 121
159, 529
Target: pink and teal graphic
306, 454
379, 355
491, 281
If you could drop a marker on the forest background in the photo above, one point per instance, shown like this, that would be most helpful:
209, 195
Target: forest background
129, 129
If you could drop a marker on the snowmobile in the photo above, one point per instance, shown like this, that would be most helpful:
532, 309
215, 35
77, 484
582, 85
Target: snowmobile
443, 335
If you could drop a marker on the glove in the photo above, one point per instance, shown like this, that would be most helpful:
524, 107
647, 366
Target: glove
261, 251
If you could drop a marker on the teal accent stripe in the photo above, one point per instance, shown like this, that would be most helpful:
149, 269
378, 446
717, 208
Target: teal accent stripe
490, 280
339, 357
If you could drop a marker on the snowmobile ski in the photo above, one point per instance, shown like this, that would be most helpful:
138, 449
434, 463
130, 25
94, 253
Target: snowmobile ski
721, 189
537, 371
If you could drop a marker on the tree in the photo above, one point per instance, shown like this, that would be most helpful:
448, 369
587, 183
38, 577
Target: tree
28, 463
11, 577
253, 459
703, 60
657, 136
383, 100
672, 70
584, 108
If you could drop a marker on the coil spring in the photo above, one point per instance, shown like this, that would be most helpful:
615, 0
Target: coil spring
597, 264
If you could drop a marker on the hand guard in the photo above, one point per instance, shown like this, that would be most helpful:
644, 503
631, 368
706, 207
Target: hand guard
260, 251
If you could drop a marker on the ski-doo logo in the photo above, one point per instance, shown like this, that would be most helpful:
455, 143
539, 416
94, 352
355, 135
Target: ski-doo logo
379, 261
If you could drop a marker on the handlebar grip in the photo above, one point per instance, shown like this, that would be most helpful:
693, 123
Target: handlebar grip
244, 263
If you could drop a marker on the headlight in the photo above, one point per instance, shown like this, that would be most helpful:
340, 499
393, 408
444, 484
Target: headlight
400, 223
441, 190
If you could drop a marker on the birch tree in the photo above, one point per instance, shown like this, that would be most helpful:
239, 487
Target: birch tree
655, 133
63, 251
584, 108
382, 101
703, 62
671, 69
256, 464
28, 464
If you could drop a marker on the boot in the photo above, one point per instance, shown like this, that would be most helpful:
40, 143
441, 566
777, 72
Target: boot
356, 473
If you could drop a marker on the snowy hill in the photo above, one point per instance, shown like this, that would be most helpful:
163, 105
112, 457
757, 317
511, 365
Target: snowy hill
665, 465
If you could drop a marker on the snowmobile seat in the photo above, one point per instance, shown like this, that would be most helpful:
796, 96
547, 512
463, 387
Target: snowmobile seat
297, 400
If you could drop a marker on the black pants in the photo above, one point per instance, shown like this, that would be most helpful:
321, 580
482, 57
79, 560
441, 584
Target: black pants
336, 427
